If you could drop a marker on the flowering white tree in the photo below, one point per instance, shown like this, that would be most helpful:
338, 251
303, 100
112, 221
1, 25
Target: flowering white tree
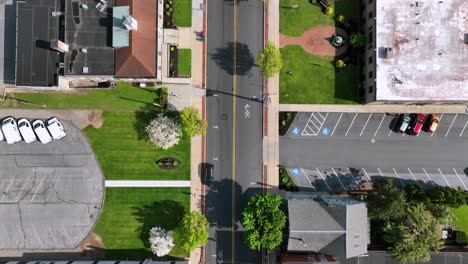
163, 132
161, 241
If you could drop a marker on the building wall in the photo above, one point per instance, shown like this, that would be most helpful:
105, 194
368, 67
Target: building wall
368, 84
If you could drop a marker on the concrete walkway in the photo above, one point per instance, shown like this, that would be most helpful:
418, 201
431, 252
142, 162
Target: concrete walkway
376, 108
111, 183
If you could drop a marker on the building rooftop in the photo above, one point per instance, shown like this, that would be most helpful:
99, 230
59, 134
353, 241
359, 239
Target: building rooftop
422, 50
89, 35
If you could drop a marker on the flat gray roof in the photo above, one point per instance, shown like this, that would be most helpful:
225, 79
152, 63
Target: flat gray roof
421, 52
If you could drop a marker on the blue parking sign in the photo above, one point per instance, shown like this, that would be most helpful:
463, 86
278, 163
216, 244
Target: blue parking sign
295, 172
295, 131
325, 131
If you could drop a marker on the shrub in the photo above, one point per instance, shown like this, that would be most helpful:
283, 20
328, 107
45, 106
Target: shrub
340, 19
167, 6
163, 132
161, 241
168, 13
339, 64
163, 97
357, 40
461, 238
329, 11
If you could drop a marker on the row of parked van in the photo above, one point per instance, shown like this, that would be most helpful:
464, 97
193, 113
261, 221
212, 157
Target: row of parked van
15, 131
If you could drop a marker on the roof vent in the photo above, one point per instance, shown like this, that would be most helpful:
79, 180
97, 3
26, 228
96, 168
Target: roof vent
385, 53
466, 38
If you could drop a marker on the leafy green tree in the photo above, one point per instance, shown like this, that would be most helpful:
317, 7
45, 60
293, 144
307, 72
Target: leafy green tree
442, 213
191, 122
357, 40
269, 60
263, 222
445, 195
414, 193
461, 238
191, 232
414, 236
385, 201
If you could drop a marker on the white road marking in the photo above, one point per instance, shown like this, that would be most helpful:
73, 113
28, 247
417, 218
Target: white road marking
413, 176
456, 173
381, 121
321, 116
381, 174
305, 174
316, 118
8, 187
307, 124
444, 177
6, 232
53, 187
350, 125
367, 175
453, 121
440, 119
399, 177
321, 176
51, 234
336, 174
37, 189
352, 176
68, 236
312, 124
339, 122
37, 235
463, 130
427, 175
362, 131
22, 188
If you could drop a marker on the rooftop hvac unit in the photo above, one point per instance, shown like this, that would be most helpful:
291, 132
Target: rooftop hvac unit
59, 46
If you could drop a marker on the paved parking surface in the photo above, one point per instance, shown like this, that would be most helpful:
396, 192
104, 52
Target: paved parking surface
341, 151
50, 195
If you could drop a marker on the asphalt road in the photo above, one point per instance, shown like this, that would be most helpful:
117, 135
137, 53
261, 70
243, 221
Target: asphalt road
234, 136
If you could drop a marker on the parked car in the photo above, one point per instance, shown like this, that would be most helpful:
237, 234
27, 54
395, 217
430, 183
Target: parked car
418, 123
433, 123
209, 173
55, 128
26, 130
10, 130
41, 132
2, 137
405, 120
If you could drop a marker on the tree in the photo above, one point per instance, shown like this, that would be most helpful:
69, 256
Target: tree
263, 222
161, 241
192, 231
357, 40
329, 10
191, 122
163, 132
269, 60
414, 236
442, 213
385, 201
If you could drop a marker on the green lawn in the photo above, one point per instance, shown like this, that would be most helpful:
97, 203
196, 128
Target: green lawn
183, 13
129, 213
123, 97
294, 21
184, 66
461, 218
125, 154
314, 79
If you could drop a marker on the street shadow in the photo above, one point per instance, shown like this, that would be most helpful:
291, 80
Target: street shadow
393, 126
147, 113
224, 57
9, 43
231, 2
166, 214
218, 202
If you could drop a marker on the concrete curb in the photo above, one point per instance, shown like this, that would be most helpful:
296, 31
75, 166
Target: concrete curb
373, 108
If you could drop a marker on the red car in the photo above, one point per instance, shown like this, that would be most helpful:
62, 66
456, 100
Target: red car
418, 124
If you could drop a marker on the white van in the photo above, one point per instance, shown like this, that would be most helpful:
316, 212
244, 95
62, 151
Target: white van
10, 130
26, 130
55, 128
41, 132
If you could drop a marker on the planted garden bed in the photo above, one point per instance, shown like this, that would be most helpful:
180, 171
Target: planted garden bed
168, 20
173, 61
285, 121
286, 183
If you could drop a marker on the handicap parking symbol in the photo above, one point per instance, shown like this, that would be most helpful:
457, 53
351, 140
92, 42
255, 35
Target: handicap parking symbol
325, 131
295, 131
295, 172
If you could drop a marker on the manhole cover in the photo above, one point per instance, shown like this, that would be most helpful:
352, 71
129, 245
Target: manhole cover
224, 116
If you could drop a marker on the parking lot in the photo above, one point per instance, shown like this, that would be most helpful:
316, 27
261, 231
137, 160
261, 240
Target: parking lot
336, 152
50, 195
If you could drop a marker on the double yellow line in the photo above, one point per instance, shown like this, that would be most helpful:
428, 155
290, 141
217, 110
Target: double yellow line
234, 91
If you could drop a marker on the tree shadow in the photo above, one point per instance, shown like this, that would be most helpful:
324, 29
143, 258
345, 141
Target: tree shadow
231, 2
224, 57
166, 214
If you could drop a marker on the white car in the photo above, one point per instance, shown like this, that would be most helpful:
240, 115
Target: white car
26, 130
55, 128
1, 136
10, 130
41, 132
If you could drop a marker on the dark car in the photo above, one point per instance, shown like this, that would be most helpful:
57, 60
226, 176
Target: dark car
209, 168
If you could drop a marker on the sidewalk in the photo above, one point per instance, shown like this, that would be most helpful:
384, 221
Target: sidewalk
376, 108
111, 183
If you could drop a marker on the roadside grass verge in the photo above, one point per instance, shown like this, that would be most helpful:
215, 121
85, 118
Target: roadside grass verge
183, 13
184, 67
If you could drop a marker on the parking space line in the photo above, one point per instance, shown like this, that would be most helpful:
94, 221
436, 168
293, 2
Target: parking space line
8, 187
367, 175
427, 175
312, 124
53, 187
362, 131
22, 188
350, 125
6, 232
336, 174
399, 177
337, 122
39, 186
307, 124
444, 177
463, 130
321, 176
456, 173
381, 174
68, 236
453, 121
51, 234
411, 173
316, 118
381, 121
440, 119
321, 116
305, 174
37, 235
352, 176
